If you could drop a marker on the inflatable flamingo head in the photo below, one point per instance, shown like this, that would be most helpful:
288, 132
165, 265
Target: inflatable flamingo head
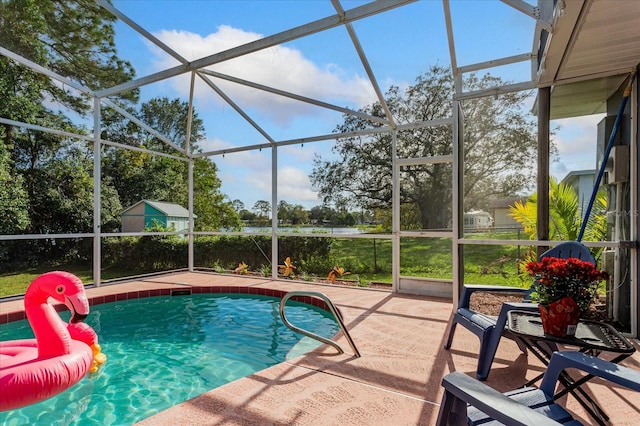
61, 286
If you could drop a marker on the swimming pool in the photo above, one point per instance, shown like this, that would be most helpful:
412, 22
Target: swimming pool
165, 350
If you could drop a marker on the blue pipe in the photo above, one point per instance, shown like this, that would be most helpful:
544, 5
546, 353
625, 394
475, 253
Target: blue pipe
603, 165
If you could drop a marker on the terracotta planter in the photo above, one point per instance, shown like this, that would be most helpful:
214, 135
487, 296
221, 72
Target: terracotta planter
560, 318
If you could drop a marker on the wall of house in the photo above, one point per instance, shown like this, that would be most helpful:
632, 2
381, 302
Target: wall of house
134, 219
178, 223
623, 299
152, 214
502, 219
584, 190
636, 184
143, 215
477, 220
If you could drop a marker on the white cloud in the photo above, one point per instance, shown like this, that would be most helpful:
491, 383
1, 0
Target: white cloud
280, 67
576, 141
294, 184
246, 175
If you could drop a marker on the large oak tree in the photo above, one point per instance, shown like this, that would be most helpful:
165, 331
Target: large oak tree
499, 145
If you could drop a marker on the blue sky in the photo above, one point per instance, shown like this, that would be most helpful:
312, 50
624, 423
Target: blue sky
400, 45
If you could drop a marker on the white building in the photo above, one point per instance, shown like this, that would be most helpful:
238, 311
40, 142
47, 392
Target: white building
477, 219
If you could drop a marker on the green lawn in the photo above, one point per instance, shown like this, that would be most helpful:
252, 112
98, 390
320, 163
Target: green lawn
17, 283
429, 258
367, 260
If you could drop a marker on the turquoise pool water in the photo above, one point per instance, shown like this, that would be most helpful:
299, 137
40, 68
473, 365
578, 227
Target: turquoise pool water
165, 350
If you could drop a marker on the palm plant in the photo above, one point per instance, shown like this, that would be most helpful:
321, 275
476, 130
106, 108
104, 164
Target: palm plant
565, 217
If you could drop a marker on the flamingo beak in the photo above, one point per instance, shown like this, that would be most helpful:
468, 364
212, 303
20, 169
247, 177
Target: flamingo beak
77, 318
78, 305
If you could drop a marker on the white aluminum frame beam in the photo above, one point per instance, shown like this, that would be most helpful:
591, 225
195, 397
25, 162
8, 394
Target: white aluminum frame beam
187, 139
42, 70
146, 34
529, 10
508, 60
452, 47
97, 195
38, 128
330, 136
498, 90
310, 28
293, 96
365, 63
236, 107
395, 215
143, 125
88, 138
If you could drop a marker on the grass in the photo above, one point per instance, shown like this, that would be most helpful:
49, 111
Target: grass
14, 283
367, 259
428, 258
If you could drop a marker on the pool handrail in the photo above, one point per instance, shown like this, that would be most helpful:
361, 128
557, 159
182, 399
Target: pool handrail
333, 311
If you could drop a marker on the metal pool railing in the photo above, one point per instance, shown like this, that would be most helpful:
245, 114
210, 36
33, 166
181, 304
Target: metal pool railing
332, 309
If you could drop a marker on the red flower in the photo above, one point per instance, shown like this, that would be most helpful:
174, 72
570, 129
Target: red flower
557, 278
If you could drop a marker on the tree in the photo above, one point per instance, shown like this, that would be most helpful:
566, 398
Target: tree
65, 203
262, 208
299, 215
247, 216
213, 208
564, 214
139, 175
292, 213
317, 214
14, 201
499, 144
75, 39
284, 212
238, 205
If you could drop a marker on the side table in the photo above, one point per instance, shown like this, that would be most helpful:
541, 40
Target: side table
592, 337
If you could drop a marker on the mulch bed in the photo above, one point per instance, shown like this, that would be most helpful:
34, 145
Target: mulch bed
491, 303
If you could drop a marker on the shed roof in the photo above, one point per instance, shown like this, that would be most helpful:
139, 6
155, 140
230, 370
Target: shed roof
170, 209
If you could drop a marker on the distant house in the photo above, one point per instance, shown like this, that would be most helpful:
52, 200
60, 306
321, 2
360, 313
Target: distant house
143, 214
499, 209
477, 219
582, 181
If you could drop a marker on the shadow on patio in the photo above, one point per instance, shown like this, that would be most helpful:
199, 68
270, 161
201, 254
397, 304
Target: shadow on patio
396, 381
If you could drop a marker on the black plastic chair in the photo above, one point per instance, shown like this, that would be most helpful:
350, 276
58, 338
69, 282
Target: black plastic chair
467, 401
490, 329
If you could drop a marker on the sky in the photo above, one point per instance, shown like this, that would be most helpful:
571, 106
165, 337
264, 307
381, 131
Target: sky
400, 45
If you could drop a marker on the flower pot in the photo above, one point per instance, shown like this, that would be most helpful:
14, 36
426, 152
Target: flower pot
560, 318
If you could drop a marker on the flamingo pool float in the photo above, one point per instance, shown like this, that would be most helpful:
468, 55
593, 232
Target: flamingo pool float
32, 370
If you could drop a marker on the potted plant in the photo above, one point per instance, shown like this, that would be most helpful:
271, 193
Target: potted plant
564, 289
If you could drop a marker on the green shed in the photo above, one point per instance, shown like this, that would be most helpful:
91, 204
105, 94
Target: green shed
143, 214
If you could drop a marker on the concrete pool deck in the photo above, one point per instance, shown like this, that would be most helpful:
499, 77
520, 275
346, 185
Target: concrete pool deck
395, 382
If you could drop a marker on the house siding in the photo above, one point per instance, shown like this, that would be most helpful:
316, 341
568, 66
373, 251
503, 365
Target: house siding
134, 219
143, 214
152, 214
